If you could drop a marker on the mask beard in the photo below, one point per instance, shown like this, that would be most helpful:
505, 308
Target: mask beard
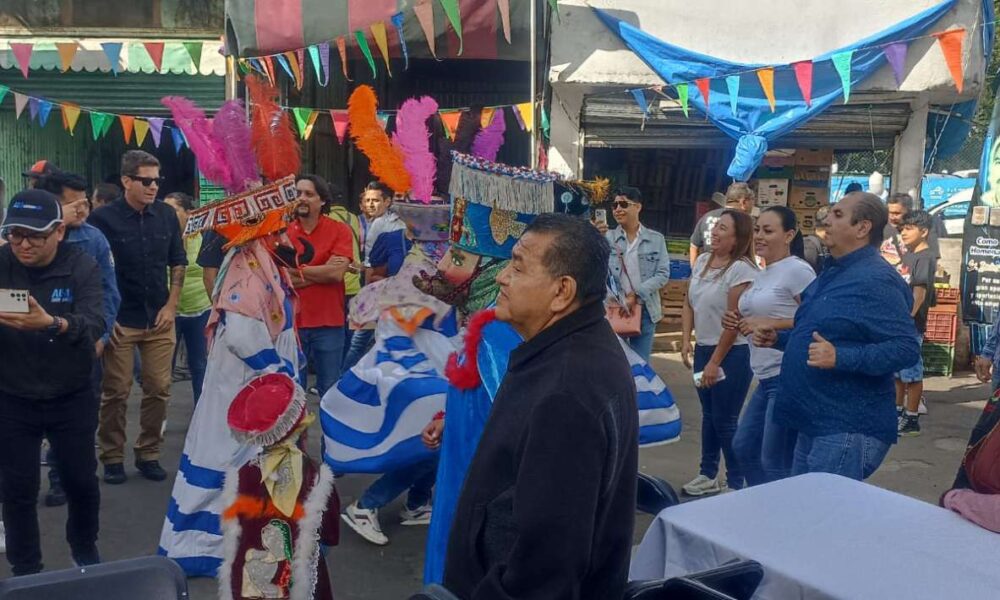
437, 286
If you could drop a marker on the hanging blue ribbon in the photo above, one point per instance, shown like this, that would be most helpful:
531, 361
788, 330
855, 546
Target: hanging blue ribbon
397, 22
753, 119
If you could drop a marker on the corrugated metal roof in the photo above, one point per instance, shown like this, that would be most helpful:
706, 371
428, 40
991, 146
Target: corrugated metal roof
616, 122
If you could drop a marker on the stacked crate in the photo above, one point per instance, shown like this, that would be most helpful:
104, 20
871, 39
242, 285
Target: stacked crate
798, 179
942, 330
672, 298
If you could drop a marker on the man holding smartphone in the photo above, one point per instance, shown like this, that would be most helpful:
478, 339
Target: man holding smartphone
45, 378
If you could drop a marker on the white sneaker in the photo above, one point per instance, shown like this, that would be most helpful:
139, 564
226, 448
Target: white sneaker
3, 538
365, 523
922, 409
420, 515
702, 486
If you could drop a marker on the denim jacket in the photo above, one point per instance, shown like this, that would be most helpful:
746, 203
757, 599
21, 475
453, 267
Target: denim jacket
654, 266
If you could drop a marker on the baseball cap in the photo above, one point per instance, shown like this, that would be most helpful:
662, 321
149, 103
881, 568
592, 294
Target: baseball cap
36, 210
40, 169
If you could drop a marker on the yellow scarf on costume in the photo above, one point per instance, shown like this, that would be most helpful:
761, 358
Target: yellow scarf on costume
281, 469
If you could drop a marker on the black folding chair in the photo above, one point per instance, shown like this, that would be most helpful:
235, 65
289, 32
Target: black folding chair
735, 581
145, 578
654, 494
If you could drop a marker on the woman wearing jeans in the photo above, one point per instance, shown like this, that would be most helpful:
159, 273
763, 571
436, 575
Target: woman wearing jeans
763, 448
721, 356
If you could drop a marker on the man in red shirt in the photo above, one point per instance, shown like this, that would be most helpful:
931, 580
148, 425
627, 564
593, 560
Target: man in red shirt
320, 284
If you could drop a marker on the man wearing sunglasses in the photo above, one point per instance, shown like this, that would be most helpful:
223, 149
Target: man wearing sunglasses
150, 262
45, 386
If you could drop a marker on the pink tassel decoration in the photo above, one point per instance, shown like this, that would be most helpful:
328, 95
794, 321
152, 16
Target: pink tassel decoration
208, 150
487, 143
233, 132
412, 137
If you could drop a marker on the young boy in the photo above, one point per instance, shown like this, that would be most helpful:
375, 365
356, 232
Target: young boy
917, 268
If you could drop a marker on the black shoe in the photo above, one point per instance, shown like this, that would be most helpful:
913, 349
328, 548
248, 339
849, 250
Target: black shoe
56, 495
909, 426
115, 474
86, 556
151, 469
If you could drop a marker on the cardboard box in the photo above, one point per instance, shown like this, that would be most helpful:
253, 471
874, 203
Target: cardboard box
779, 158
766, 172
772, 192
808, 197
820, 157
807, 220
815, 176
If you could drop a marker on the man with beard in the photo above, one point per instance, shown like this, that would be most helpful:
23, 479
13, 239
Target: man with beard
320, 284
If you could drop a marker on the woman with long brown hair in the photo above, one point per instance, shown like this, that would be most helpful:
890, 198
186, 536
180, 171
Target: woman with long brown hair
721, 356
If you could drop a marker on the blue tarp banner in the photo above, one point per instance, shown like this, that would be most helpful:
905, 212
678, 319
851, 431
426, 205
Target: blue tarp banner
753, 124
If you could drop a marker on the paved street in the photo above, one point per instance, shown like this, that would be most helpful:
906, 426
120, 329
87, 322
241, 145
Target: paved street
132, 514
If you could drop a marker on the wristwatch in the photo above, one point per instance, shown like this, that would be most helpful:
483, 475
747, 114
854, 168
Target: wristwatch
56, 327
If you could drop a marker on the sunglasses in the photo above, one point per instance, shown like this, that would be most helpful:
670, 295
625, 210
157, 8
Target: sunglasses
623, 204
147, 181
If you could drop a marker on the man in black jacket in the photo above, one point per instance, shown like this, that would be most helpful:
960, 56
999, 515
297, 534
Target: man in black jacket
45, 387
547, 507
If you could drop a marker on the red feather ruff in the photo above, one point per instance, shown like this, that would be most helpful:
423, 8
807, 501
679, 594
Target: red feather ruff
274, 142
465, 375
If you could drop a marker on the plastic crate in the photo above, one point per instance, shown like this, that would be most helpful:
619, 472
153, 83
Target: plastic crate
938, 358
680, 269
942, 327
948, 295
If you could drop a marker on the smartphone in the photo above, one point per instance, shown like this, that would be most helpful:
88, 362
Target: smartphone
601, 215
14, 301
698, 375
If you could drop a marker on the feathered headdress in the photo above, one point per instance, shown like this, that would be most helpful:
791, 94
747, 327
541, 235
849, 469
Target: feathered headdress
488, 141
274, 143
208, 150
370, 138
231, 129
412, 137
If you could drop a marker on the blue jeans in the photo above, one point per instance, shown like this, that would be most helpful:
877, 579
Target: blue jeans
763, 448
324, 350
418, 478
853, 455
361, 341
192, 331
643, 343
720, 411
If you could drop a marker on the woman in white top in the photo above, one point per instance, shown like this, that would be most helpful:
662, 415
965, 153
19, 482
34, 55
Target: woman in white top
763, 448
721, 356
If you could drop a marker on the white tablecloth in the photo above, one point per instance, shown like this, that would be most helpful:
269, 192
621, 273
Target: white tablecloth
825, 536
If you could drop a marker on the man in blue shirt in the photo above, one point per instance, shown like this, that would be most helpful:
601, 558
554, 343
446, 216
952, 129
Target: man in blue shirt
852, 332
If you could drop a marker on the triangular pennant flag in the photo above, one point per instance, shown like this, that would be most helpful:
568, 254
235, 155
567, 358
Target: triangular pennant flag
194, 51
363, 44
304, 120
320, 56
450, 120
20, 101
293, 62
545, 122
342, 48
704, 86
67, 52
127, 123
22, 54
283, 61
70, 116
766, 77
97, 123
842, 62
518, 117
268, 65
951, 44
682, 95
109, 120
640, 99
425, 15
33, 108
895, 54
527, 110
397, 22
44, 109
113, 50
155, 51
141, 129
3, 92
178, 137
156, 128
382, 41
804, 77
454, 14
504, 6
554, 5
485, 117
383, 118
339, 124
733, 84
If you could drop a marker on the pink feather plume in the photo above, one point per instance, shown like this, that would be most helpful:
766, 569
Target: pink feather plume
233, 132
487, 143
412, 137
207, 148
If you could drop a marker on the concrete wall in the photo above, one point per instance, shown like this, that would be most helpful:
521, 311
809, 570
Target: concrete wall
586, 57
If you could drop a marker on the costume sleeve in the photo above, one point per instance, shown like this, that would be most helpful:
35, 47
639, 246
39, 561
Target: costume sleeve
893, 338
981, 509
109, 284
329, 532
552, 551
211, 254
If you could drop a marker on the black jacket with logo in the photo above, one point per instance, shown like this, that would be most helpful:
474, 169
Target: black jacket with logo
37, 364
548, 504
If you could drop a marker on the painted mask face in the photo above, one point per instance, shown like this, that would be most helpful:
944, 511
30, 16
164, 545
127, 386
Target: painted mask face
451, 282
